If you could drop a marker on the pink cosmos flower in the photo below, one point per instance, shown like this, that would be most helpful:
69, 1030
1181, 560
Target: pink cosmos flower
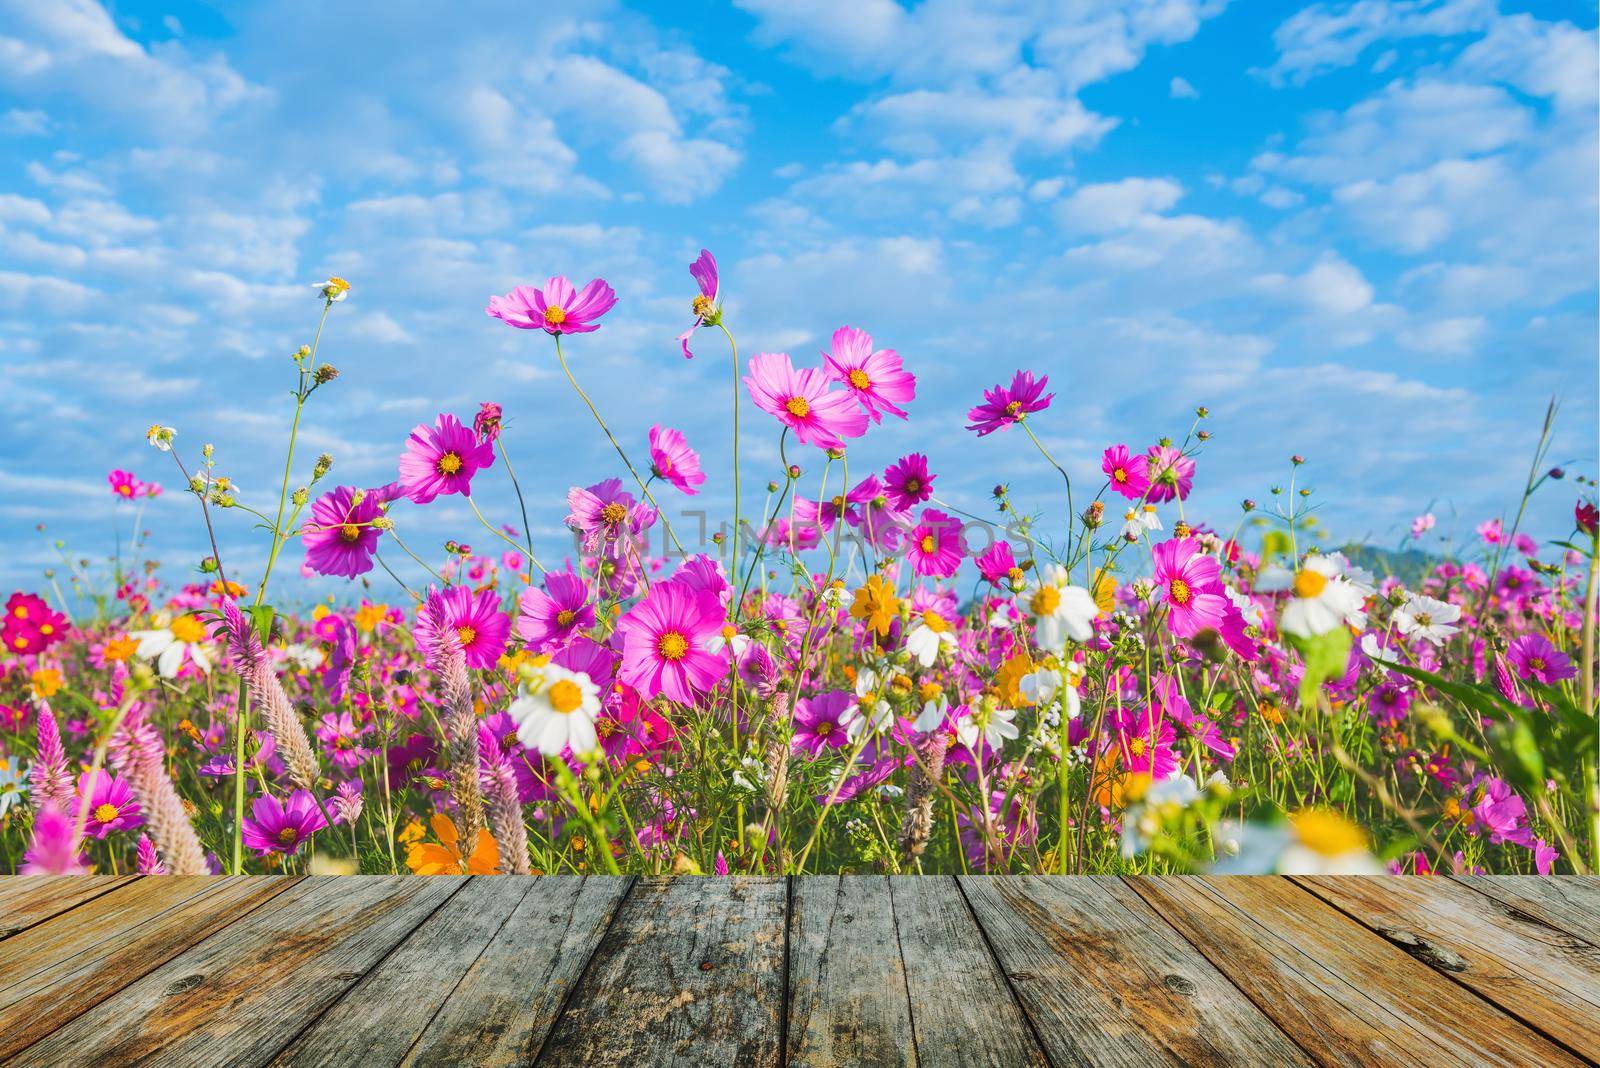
664, 642
997, 563
54, 849
476, 619
126, 486
278, 827
341, 739
110, 804
1535, 657
553, 616
823, 515
1004, 405
1421, 525
1145, 737
876, 379
488, 420
1189, 583
936, 545
605, 513
1491, 531
555, 309
907, 482
339, 537
704, 271
1170, 472
801, 400
441, 459
1586, 516
819, 722
1128, 476
672, 459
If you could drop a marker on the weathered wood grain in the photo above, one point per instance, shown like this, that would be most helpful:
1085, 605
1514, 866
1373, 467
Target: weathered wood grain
848, 1001
28, 900
1106, 981
56, 971
242, 995
1545, 977
962, 1010
507, 1002
1569, 903
691, 973
1340, 991
379, 1019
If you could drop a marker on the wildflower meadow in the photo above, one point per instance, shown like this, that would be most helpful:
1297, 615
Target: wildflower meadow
858, 673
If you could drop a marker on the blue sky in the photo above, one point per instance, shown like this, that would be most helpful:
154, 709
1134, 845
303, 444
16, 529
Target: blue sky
1362, 232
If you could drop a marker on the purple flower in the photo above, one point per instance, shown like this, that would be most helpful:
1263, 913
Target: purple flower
704, 270
476, 619
1535, 657
555, 309
441, 459
907, 482
278, 827
110, 803
1171, 474
1003, 406
551, 617
819, 722
339, 537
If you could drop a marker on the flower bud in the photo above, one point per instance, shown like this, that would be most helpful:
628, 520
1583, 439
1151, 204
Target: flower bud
325, 374
321, 467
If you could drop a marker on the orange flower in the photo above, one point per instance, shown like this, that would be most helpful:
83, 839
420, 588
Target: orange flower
121, 648
47, 682
426, 858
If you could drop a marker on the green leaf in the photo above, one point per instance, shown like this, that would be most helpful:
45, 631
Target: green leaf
1326, 656
261, 617
1274, 543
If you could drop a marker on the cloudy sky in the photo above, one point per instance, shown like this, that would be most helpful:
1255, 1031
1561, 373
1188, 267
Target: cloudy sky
1364, 232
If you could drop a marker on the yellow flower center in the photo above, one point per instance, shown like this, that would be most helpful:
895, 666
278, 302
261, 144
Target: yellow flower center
858, 379
565, 617
672, 646
555, 315
449, 463
349, 532
288, 835
929, 543
1120, 474
1309, 583
934, 622
188, 629
1536, 663
335, 285
702, 306
913, 485
565, 696
1045, 600
467, 635
1014, 407
1138, 746
824, 728
798, 407
1323, 831
105, 813
1179, 591
613, 513
729, 631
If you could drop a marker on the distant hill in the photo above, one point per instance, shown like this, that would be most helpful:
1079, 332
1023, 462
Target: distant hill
1409, 566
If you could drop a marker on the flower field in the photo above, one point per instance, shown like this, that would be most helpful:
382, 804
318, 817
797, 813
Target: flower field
862, 676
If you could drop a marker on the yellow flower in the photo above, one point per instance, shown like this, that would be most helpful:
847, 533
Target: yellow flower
1009, 678
121, 648
1325, 831
425, 858
369, 616
876, 604
47, 682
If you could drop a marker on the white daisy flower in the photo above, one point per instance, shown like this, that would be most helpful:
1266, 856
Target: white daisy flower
871, 711
333, 290
1323, 599
167, 646
1060, 610
997, 727
558, 714
927, 638
728, 638
1427, 618
933, 713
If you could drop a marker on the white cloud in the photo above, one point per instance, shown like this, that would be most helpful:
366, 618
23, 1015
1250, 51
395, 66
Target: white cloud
1108, 206
1180, 89
1324, 37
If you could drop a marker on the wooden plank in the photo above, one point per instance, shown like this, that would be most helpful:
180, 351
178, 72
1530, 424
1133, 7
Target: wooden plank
244, 994
1569, 903
54, 972
848, 1001
962, 1010
27, 900
507, 1002
1105, 981
1545, 977
379, 1019
1340, 991
691, 973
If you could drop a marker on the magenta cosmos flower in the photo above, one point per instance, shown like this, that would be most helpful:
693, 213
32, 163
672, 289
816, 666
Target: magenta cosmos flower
1127, 474
998, 565
110, 803
1535, 657
604, 513
672, 459
553, 616
665, 640
339, 537
1005, 405
825, 514
555, 309
877, 380
1170, 472
441, 459
801, 401
476, 619
126, 486
907, 482
819, 722
280, 827
936, 545
1190, 584
704, 270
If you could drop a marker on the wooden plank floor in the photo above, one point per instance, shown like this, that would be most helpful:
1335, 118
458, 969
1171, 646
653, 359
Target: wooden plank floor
805, 971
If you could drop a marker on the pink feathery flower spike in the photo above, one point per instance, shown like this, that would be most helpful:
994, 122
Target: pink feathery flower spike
149, 861
555, 309
498, 779
267, 694
50, 782
444, 648
877, 379
801, 400
706, 312
54, 850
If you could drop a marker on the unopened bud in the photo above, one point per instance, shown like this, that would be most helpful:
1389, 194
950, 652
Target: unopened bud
325, 374
322, 466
